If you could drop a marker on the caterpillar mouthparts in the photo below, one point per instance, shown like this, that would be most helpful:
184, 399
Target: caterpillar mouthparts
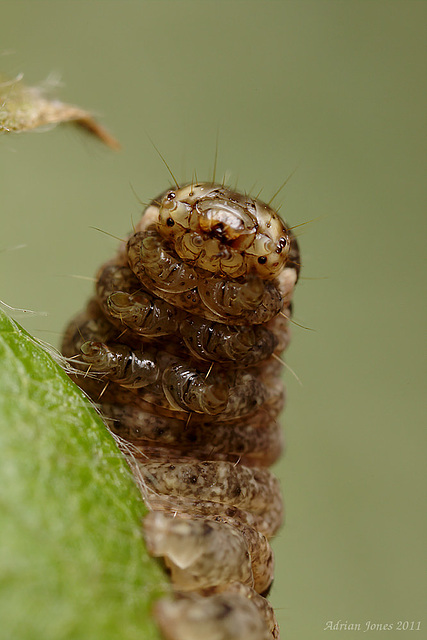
180, 346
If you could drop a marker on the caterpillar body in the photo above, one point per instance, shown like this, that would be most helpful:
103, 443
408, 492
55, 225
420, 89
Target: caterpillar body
180, 348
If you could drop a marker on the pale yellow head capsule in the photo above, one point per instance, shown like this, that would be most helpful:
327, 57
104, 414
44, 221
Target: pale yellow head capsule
224, 231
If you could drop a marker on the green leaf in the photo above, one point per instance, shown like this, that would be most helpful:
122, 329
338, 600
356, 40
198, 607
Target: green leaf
73, 564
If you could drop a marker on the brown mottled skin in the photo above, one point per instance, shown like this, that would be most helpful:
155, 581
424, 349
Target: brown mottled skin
180, 348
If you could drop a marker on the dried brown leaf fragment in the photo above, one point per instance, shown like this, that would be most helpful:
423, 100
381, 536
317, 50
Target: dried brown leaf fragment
25, 108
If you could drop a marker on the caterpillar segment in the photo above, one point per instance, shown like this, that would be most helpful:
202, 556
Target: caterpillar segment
180, 347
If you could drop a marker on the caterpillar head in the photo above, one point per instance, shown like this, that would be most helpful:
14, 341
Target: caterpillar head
223, 231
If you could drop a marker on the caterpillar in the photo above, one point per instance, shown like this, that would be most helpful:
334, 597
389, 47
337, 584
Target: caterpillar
180, 348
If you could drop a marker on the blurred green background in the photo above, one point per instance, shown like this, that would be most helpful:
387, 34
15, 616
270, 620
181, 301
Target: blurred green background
336, 90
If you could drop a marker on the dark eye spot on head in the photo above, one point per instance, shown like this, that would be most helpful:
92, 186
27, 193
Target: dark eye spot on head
281, 244
171, 195
170, 222
262, 259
